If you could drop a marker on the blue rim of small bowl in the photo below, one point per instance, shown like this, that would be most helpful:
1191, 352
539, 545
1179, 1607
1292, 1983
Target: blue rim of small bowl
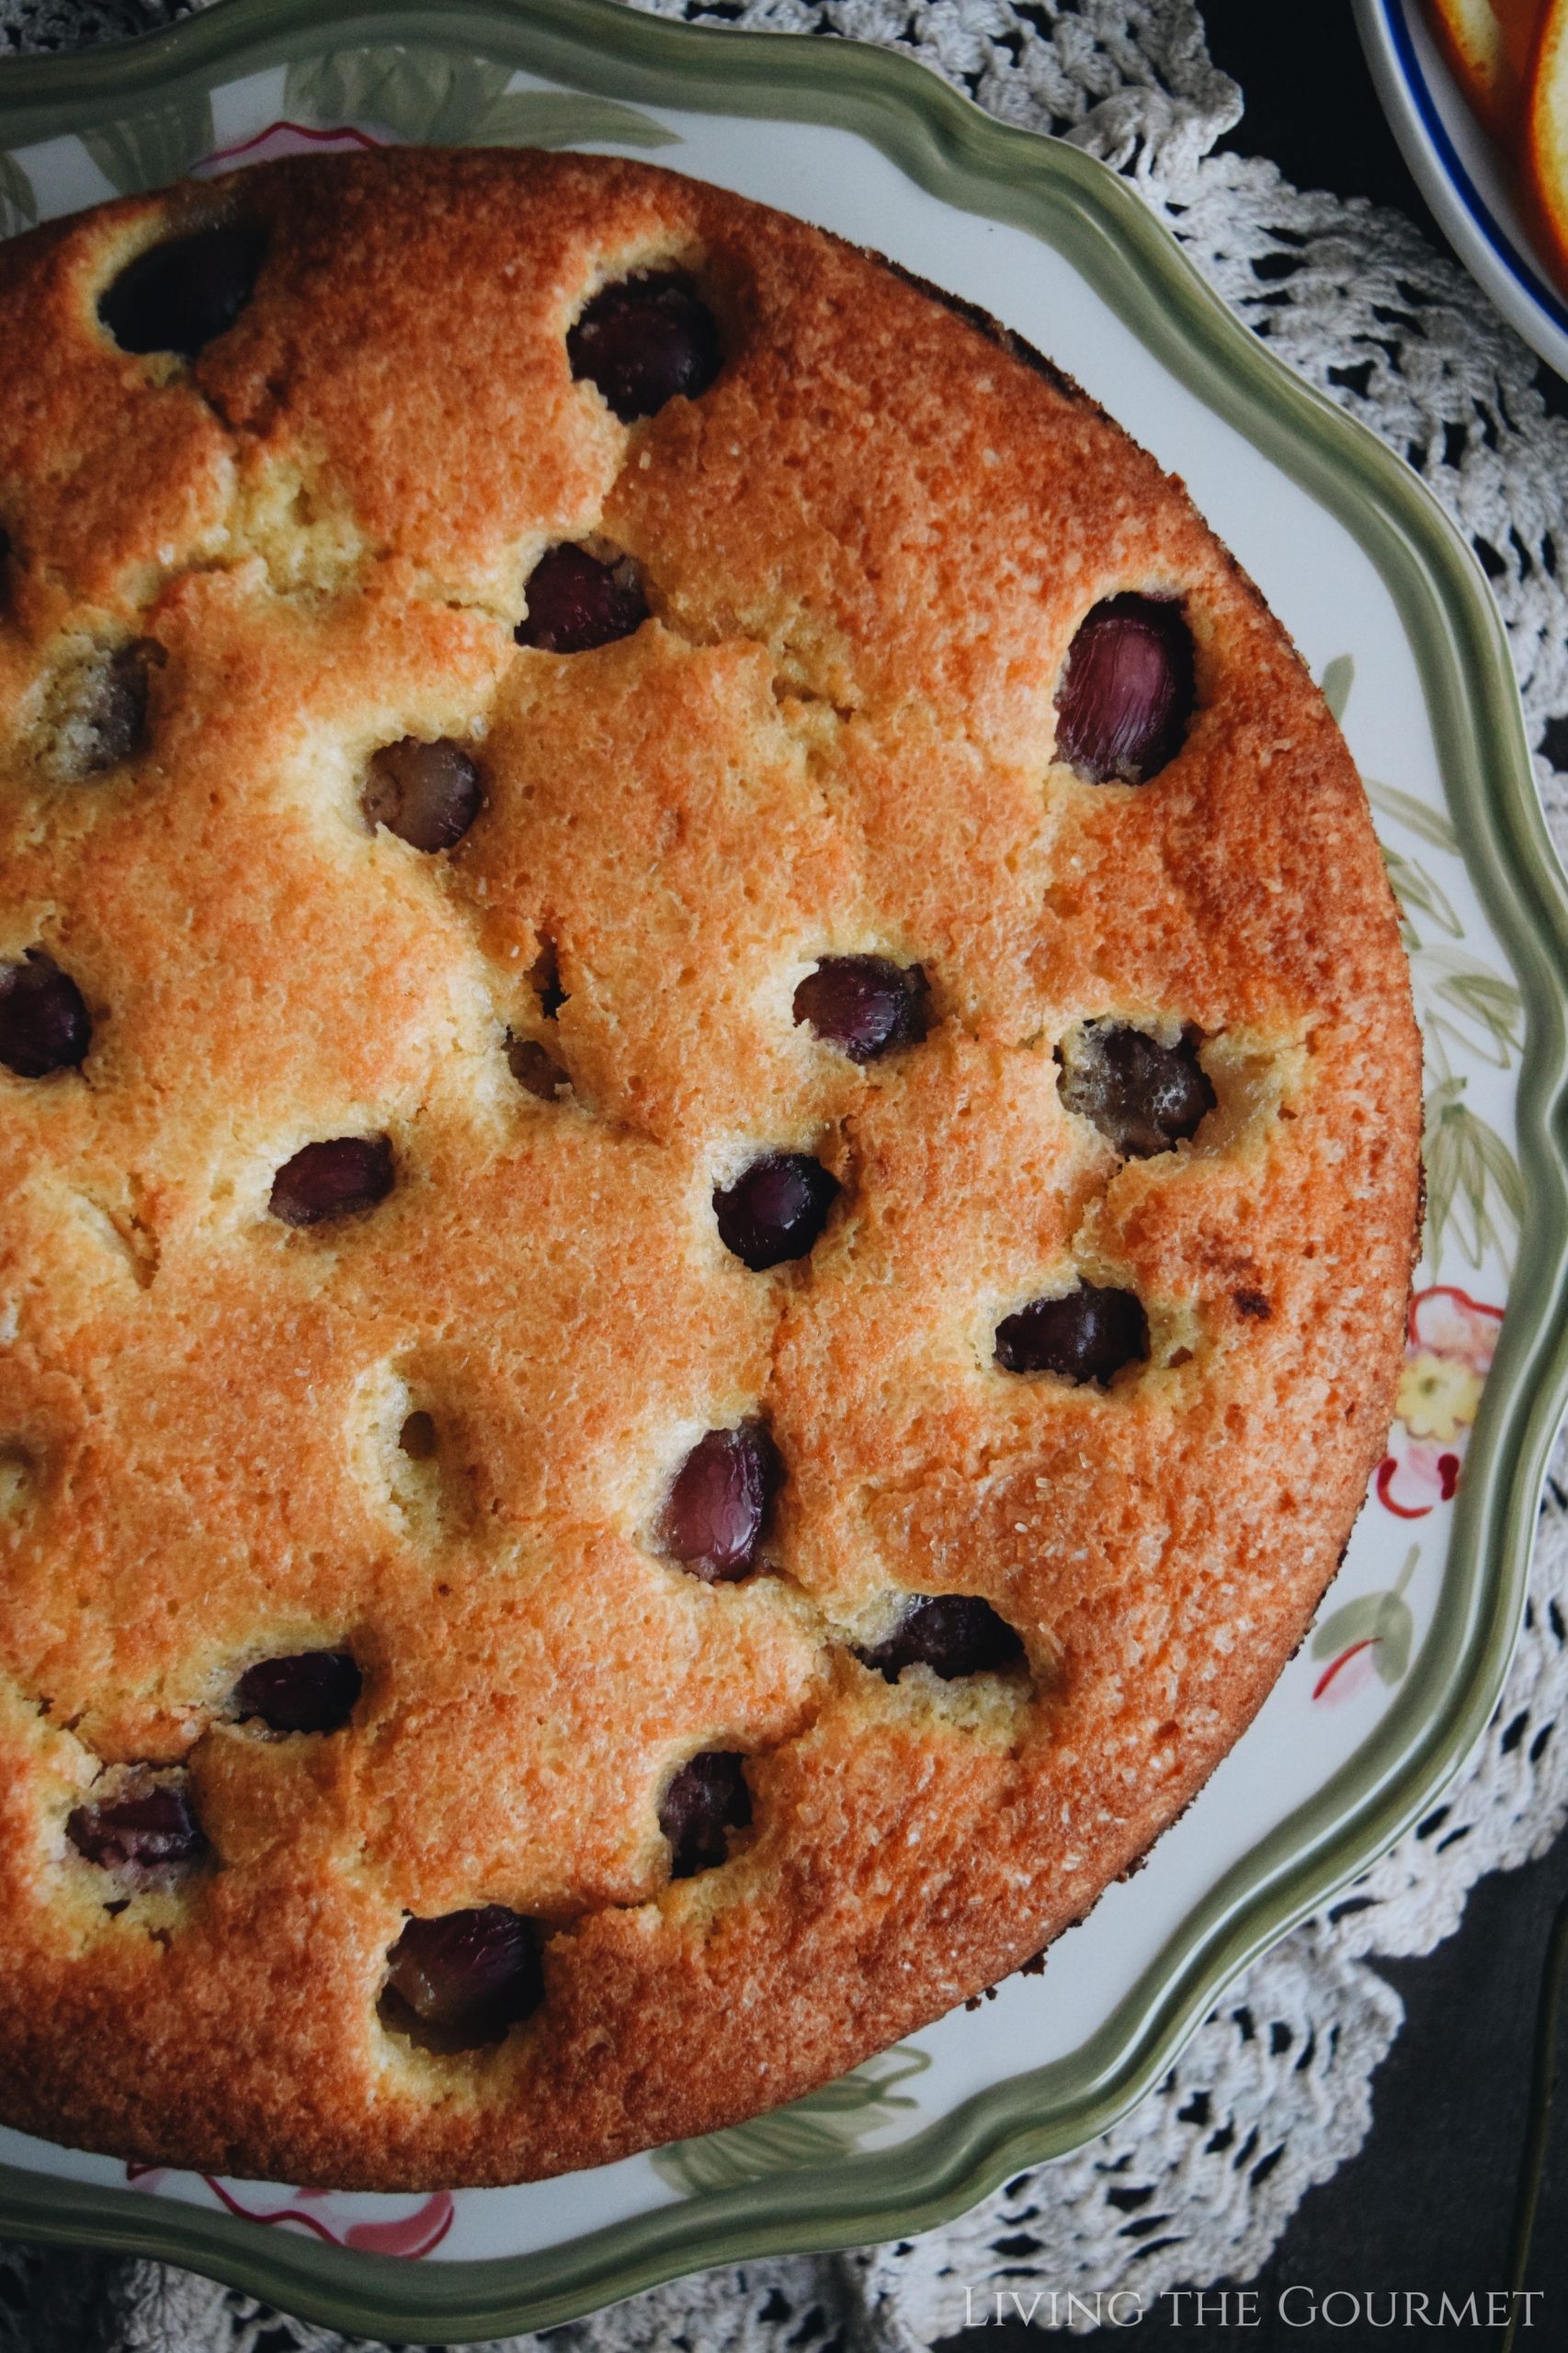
1481, 213
1445, 181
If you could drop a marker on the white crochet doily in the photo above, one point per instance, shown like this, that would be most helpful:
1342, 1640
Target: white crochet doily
1275, 2090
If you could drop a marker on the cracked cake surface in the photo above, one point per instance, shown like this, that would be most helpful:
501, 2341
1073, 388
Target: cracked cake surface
709, 1163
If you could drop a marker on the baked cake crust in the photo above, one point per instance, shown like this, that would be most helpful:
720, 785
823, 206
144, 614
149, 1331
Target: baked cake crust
867, 548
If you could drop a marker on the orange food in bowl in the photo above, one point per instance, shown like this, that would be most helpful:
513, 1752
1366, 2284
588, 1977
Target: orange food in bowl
1488, 45
1510, 59
1546, 136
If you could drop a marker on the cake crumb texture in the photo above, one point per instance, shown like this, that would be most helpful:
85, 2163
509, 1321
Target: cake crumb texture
418, 1404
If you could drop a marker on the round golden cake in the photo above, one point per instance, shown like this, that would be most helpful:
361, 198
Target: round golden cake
709, 1146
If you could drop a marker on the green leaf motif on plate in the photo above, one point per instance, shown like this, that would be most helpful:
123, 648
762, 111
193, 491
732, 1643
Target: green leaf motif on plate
1473, 1187
1473, 1180
18, 205
830, 2122
1433, 825
1414, 887
1489, 1005
1430, 825
1383, 1621
149, 150
1338, 677
450, 97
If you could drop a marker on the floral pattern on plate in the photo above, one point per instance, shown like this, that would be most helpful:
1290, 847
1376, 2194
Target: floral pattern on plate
325, 2214
1448, 1354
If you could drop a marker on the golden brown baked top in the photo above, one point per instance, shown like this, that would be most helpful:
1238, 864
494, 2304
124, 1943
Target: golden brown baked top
593, 1096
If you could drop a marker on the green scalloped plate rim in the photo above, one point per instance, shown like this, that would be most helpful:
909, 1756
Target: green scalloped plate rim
954, 151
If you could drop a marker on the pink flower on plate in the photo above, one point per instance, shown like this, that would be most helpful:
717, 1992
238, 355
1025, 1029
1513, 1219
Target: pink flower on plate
418, 2232
1352, 1671
282, 139
1366, 1640
1449, 1343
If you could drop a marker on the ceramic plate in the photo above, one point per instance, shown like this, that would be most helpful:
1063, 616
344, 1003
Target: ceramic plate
1462, 173
1412, 1642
